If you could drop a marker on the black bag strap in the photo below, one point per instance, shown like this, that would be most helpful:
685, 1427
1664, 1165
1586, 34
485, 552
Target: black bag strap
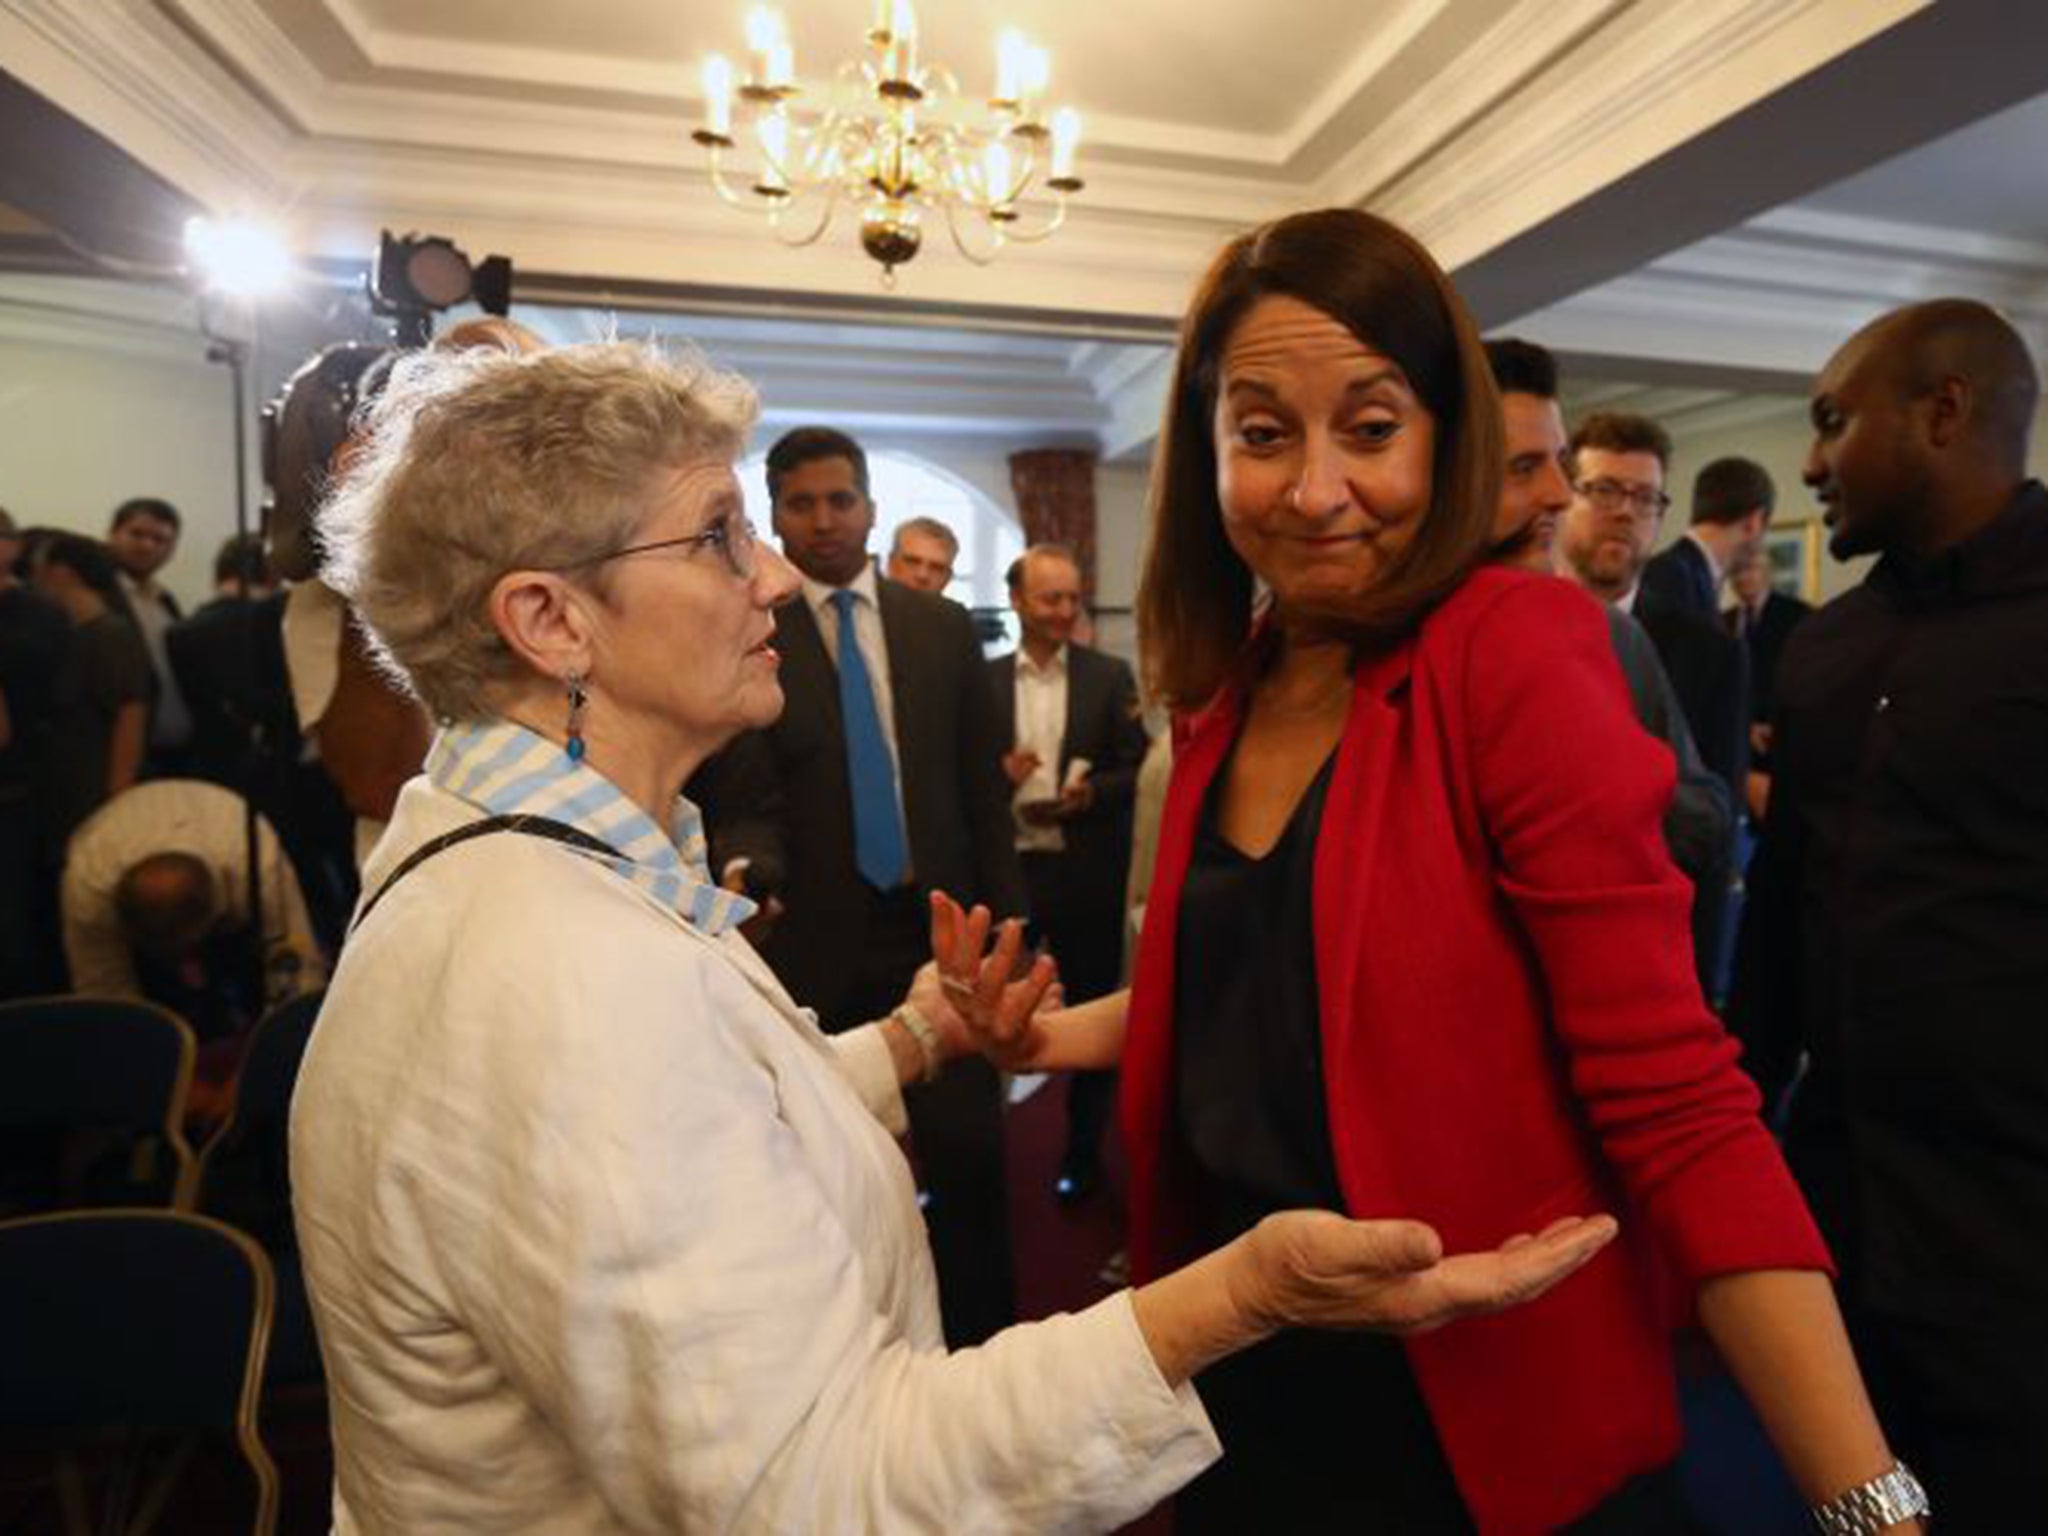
529, 826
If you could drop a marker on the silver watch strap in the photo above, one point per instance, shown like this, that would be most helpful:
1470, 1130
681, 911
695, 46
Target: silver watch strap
1874, 1506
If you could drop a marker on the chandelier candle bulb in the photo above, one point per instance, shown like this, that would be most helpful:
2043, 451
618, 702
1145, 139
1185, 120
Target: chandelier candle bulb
1066, 139
774, 132
764, 31
1010, 65
1037, 74
718, 96
901, 61
995, 169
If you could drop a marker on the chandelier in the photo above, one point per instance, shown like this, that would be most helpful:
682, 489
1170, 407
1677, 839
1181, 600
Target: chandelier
892, 138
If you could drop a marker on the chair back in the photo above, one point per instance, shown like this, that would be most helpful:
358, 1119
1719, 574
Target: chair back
270, 1068
105, 1072
245, 1175
137, 1319
245, 1178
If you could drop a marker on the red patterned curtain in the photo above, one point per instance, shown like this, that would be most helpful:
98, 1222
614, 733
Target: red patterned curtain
1055, 491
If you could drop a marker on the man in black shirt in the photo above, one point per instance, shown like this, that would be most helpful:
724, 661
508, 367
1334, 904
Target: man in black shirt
1897, 930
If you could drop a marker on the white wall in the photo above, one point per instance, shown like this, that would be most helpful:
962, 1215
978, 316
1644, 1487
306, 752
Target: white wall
106, 393
82, 429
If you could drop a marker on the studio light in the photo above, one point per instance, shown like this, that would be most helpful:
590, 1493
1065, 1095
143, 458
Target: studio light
237, 258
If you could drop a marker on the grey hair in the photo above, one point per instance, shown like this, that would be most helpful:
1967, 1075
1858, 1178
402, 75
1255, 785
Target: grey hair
476, 463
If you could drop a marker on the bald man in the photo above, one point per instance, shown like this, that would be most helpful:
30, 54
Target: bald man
1897, 929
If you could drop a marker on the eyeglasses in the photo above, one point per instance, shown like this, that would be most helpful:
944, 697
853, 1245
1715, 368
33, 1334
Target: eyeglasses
1612, 496
732, 536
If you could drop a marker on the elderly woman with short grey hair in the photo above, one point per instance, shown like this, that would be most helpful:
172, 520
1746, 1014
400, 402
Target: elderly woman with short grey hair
601, 1233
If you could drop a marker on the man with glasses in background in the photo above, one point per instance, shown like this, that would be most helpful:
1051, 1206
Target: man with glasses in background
1619, 465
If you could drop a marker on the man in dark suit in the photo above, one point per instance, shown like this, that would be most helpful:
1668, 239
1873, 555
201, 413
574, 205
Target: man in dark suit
1732, 501
1071, 716
1897, 932
881, 782
1763, 619
1619, 464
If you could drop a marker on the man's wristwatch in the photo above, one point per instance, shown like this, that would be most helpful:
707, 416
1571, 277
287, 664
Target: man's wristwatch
1874, 1506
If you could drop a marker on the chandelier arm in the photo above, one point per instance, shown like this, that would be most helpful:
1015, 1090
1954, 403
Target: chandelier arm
755, 206
828, 204
1020, 235
960, 244
942, 145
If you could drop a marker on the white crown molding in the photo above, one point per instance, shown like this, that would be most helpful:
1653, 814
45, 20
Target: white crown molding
1503, 59
447, 64
502, 85
1782, 291
137, 322
1661, 73
1398, 28
120, 67
1137, 408
1110, 368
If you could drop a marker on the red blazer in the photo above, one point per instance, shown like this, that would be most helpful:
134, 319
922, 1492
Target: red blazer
1511, 1032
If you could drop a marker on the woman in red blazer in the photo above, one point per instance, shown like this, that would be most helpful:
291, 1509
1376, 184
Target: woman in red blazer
1414, 941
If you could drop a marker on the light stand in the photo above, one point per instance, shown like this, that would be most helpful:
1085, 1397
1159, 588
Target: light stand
241, 262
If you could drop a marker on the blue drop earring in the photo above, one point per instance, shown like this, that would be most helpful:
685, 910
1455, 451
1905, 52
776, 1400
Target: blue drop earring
577, 699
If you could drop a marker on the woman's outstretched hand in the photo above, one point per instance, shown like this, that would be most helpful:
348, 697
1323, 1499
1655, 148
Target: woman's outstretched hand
1318, 1269
994, 1000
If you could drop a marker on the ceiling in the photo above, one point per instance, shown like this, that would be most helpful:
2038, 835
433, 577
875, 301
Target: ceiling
559, 134
1698, 197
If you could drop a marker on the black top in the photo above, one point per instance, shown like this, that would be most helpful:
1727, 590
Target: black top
1898, 926
105, 666
1321, 1431
1248, 1062
33, 632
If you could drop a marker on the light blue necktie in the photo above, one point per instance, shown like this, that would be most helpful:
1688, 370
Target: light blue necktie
878, 847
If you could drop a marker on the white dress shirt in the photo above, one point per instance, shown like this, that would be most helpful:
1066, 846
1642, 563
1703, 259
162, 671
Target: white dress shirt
1041, 700
180, 816
603, 1235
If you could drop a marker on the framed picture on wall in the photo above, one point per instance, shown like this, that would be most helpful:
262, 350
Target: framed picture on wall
1794, 555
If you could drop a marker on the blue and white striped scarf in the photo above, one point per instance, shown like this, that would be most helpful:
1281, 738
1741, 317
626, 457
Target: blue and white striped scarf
506, 770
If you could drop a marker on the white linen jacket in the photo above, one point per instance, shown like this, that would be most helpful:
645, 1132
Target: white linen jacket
603, 1235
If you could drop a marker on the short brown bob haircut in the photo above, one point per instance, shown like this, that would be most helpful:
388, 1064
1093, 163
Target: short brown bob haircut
1195, 595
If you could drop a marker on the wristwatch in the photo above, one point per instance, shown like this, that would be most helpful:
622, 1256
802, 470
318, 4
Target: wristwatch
1874, 1506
